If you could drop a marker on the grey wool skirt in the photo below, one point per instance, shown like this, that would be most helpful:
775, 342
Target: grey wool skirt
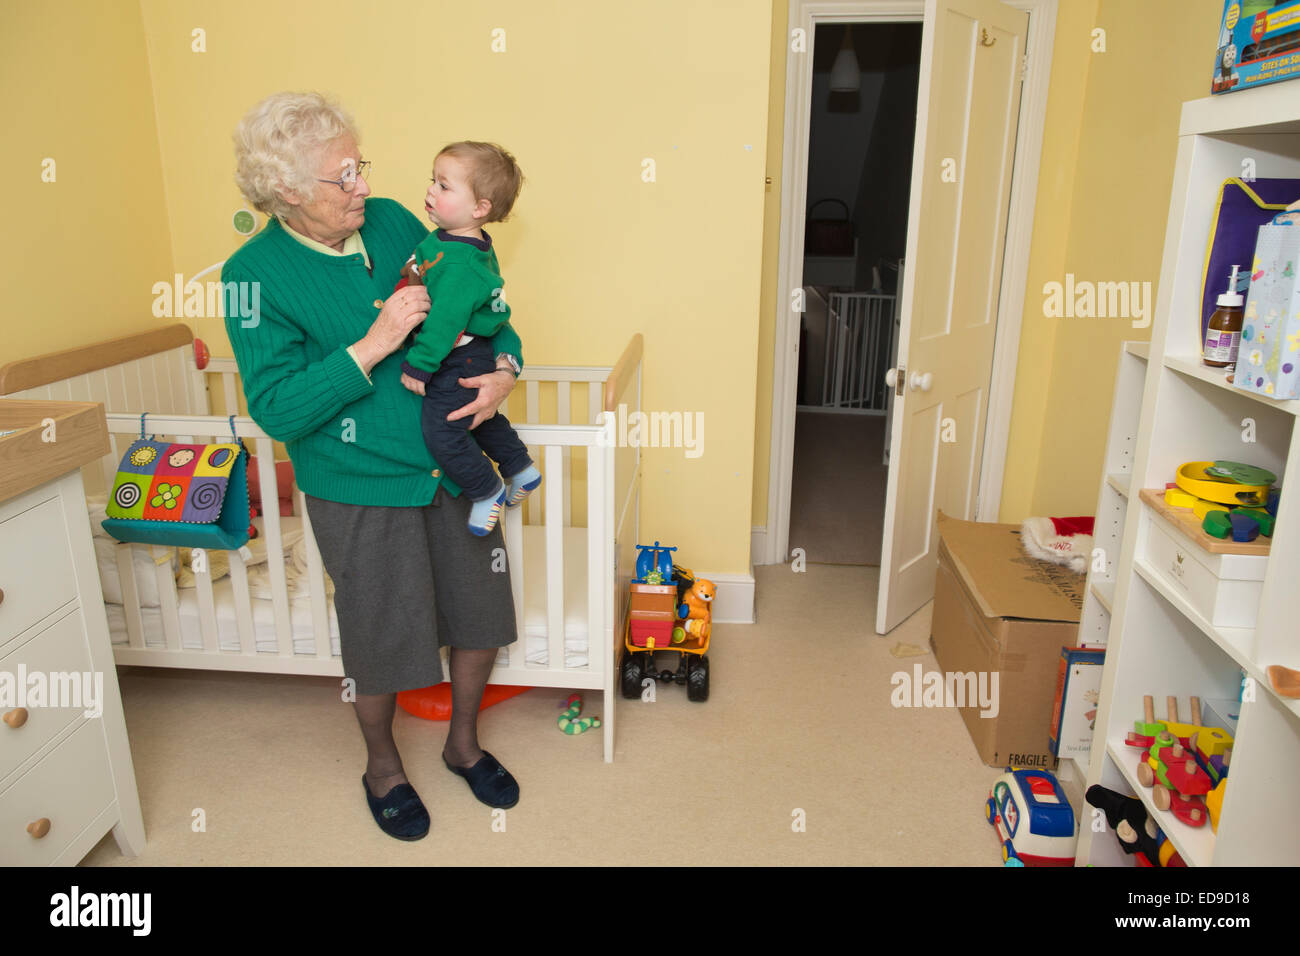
408, 580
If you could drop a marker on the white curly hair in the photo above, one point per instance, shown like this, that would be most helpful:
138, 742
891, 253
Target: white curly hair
278, 145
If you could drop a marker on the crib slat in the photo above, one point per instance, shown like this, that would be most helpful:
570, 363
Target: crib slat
599, 592
554, 563
243, 604
533, 416
320, 621
207, 607
274, 545
109, 463
228, 393
130, 594
164, 378
168, 601
563, 391
513, 529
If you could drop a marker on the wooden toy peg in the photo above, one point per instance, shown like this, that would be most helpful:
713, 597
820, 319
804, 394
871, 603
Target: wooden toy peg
1172, 704
1149, 709
1196, 711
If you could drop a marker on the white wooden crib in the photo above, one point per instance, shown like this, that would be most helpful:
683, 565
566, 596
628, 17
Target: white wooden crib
570, 548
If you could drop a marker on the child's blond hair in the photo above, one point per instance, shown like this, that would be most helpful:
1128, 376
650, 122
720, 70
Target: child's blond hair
493, 174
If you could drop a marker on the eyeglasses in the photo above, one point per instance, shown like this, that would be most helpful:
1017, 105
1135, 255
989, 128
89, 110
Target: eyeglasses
348, 181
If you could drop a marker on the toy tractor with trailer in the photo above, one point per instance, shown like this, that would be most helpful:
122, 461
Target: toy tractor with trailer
669, 611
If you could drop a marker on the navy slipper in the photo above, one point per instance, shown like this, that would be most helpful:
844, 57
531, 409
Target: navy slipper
491, 782
400, 813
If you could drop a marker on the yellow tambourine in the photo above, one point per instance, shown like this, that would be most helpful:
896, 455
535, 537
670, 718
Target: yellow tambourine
1192, 478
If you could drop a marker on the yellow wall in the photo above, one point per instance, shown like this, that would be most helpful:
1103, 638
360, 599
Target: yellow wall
139, 125
80, 253
583, 92
1103, 196
1127, 143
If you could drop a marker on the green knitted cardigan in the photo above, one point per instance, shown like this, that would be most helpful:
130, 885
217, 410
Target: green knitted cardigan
351, 439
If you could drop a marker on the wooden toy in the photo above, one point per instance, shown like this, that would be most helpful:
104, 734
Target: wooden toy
1214, 804
1175, 497
1184, 732
1244, 526
1032, 819
1265, 520
1284, 680
1217, 523
1175, 779
1201, 507
1193, 478
1210, 747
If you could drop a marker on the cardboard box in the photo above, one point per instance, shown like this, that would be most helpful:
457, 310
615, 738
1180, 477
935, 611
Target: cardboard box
998, 611
1259, 42
1074, 712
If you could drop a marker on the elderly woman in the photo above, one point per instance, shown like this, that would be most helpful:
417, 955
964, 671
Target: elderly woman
321, 367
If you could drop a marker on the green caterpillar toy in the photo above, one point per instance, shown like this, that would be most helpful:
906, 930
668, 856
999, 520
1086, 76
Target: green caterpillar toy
571, 723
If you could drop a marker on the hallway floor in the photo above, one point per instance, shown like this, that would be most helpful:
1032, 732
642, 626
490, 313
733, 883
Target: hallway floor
837, 490
799, 719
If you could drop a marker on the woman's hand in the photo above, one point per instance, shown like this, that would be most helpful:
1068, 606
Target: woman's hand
404, 310
492, 391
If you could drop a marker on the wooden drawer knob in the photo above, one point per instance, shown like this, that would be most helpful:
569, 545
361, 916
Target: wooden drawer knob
39, 828
16, 718
2, 595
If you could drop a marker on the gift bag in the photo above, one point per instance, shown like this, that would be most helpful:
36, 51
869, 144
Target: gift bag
189, 496
1268, 361
1242, 208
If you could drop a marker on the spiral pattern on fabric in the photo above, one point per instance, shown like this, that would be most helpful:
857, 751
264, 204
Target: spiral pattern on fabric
205, 495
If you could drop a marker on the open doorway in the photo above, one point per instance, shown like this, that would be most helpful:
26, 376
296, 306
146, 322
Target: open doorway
862, 125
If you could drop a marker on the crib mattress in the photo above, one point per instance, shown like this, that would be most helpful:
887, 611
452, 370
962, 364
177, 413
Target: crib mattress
303, 634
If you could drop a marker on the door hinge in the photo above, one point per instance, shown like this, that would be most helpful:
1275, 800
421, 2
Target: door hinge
1024, 67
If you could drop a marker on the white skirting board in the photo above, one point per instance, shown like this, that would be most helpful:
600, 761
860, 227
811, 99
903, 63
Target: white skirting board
758, 545
734, 602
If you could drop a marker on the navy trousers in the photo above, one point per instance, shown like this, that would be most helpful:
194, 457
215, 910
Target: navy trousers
464, 455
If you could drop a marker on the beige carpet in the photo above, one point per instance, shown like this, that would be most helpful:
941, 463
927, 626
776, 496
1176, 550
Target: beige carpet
799, 719
837, 499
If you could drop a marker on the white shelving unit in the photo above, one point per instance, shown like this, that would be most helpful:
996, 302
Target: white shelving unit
1112, 499
1158, 644
1108, 532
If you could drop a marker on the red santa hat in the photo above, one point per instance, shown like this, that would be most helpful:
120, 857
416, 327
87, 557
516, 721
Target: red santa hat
1066, 541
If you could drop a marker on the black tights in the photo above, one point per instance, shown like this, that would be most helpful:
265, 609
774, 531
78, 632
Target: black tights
470, 670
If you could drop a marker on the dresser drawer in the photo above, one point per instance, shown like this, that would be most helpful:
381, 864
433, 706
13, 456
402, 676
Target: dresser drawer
70, 788
36, 574
59, 658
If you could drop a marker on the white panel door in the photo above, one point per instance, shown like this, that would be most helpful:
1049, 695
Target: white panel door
968, 107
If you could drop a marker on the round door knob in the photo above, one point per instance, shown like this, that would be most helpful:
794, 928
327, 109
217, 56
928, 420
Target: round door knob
39, 828
922, 382
891, 377
16, 718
